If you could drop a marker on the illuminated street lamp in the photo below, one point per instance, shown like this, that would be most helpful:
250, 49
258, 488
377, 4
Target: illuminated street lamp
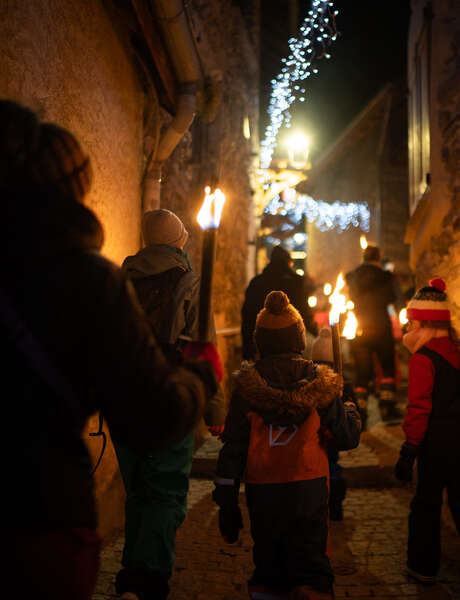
298, 149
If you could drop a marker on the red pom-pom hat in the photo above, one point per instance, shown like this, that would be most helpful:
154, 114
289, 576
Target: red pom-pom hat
429, 309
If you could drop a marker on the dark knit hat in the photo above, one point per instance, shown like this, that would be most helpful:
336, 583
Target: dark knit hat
321, 350
280, 255
279, 327
430, 303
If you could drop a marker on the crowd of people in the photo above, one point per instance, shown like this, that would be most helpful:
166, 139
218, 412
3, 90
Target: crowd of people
81, 335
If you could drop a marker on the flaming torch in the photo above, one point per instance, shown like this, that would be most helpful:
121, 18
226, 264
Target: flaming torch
209, 221
338, 302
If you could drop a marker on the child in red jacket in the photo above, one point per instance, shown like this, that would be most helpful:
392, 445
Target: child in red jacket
431, 426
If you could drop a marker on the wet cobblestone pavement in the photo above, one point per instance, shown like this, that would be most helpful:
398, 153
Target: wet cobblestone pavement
368, 548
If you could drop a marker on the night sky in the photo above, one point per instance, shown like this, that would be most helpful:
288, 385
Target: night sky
370, 51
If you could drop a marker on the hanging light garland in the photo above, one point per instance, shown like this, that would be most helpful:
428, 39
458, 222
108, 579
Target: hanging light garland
317, 33
325, 215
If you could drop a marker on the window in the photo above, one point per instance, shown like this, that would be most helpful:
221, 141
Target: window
419, 118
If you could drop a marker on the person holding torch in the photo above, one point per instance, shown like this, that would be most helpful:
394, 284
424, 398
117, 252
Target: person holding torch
169, 292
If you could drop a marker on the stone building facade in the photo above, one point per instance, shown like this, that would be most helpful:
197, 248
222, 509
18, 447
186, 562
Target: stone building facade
433, 230
367, 163
105, 70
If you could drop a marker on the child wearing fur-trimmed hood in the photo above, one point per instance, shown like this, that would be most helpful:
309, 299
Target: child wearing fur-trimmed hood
431, 425
272, 440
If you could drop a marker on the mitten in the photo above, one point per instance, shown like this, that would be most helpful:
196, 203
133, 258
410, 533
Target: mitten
230, 523
205, 351
216, 430
405, 464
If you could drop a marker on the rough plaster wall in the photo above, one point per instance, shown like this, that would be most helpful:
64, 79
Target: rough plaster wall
442, 258
351, 179
227, 159
64, 60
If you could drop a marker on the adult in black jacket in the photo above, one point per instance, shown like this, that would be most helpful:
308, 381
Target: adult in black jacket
372, 289
277, 275
80, 311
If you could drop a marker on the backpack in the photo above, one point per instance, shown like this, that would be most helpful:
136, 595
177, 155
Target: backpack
169, 302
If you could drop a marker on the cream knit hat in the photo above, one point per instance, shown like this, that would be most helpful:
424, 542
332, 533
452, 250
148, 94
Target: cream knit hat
163, 227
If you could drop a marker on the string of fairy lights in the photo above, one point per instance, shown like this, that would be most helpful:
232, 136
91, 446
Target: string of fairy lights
317, 33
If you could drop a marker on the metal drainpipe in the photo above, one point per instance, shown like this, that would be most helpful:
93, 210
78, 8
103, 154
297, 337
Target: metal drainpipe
182, 52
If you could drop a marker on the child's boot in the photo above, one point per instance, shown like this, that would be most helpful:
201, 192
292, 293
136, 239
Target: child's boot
387, 400
361, 394
304, 592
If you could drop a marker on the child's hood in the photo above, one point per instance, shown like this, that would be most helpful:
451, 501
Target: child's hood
287, 388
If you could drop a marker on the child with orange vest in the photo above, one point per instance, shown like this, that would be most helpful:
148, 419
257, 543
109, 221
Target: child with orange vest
431, 426
272, 440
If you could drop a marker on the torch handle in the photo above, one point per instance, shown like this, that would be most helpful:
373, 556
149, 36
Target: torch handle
207, 269
336, 349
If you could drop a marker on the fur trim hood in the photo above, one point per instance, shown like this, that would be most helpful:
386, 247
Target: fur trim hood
286, 389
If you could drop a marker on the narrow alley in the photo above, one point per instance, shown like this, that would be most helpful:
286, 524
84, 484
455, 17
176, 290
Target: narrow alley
367, 549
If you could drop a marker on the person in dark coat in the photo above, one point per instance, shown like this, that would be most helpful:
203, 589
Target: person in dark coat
74, 341
277, 275
372, 289
274, 439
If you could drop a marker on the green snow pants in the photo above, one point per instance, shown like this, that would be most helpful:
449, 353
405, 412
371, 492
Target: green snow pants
156, 504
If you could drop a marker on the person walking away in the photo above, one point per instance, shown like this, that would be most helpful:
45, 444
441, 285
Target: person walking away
273, 440
431, 426
74, 341
277, 275
349, 418
372, 290
157, 485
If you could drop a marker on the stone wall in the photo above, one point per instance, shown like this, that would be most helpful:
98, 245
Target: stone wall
70, 62
434, 230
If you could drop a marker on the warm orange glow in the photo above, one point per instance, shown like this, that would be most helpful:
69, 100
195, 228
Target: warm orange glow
327, 289
363, 242
350, 305
337, 300
350, 327
211, 209
403, 316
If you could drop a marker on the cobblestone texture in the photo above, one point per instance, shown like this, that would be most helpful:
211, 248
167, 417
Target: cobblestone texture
368, 548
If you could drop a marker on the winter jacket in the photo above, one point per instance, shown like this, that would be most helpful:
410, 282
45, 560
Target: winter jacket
276, 276
273, 432
372, 289
433, 411
158, 267
84, 313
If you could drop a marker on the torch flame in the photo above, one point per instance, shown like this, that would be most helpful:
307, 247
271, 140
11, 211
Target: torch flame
350, 327
211, 209
363, 242
337, 300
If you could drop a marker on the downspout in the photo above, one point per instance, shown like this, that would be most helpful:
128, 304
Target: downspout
181, 49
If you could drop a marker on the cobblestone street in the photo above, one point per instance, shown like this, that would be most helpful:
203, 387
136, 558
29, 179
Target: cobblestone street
367, 549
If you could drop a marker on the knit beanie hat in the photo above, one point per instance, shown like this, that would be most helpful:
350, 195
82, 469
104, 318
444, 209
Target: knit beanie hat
163, 227
321, 350
280, 255
430, 303
279, 327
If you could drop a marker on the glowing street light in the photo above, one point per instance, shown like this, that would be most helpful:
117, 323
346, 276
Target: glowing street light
298, 149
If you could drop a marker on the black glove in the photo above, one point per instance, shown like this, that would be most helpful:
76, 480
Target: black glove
405, 464
230, 523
